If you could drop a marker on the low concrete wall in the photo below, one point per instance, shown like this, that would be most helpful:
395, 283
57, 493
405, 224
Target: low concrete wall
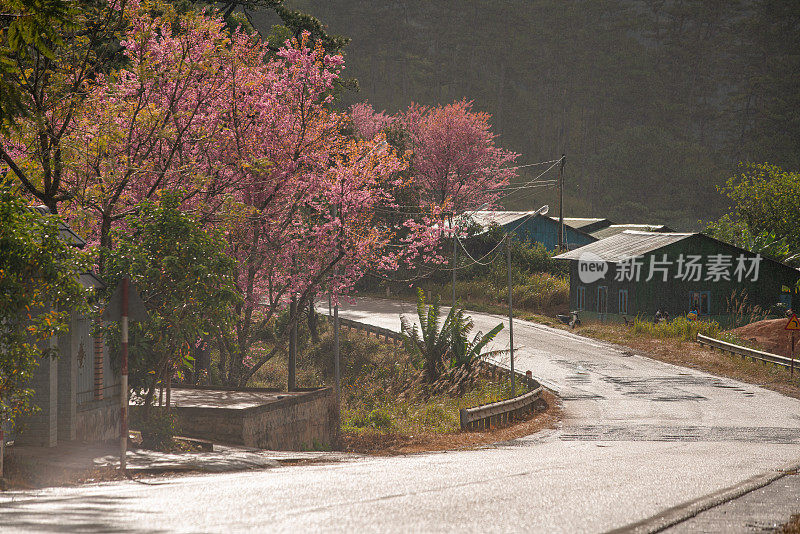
98, 420
300, 421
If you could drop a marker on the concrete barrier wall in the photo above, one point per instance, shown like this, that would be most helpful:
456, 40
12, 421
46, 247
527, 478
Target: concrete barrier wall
98, 420
301, 421
308, 421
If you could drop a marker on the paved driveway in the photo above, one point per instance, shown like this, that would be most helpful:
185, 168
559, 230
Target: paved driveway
638, 436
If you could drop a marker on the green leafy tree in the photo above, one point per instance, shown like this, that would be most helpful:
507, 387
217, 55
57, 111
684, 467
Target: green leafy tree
39, 289
186, 281
763, 218
26, 26
51, 51
448, 345
293, 22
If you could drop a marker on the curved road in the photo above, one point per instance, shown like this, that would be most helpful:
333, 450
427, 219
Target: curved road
638, 436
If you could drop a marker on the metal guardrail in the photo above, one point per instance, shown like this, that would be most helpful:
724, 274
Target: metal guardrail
479, 417
746, 352
483, 417
389, 335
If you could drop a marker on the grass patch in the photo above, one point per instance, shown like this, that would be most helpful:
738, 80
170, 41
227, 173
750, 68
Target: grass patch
368, 407
678, 328
532, 292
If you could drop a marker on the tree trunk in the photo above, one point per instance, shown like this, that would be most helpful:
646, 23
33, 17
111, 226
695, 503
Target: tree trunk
105, 243
292, 383
223, 361
202, 361
313, 321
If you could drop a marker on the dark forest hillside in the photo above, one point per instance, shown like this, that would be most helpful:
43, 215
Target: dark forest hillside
653, 101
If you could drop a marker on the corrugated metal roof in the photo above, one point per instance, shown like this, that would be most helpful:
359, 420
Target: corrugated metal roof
487, 218
628, 244
583, 223
64, 232
500, 218
615, 229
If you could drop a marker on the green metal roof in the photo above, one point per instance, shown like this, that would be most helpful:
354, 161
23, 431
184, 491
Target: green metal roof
628, 244
615, 229
585, 224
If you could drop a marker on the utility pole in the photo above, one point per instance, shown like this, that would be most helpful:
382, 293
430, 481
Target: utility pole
455, 258
561, 203
510, 313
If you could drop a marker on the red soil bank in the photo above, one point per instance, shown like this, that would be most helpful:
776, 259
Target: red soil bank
770, 336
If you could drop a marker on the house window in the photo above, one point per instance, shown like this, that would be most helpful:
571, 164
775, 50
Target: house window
602, 299
700, 301
623, 301
786, 297
581, 298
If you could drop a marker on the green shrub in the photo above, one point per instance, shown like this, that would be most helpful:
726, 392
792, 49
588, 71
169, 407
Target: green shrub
678, 328
540, 291
436, 416
379, 419
158, 428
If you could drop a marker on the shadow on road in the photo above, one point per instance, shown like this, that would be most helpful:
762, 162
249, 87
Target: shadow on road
90, 513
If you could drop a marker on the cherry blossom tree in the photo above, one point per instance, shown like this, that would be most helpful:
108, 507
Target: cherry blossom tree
150, 126
455, 166
455, 158
306, 189
250, 138
367, 122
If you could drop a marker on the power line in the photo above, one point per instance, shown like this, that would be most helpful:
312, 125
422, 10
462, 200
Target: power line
531, 164
529, 182
512, 188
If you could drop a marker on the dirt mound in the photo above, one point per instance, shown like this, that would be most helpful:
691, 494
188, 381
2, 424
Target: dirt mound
770, 336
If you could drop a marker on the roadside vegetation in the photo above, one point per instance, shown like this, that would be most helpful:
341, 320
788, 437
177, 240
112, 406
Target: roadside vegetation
386, 406
38, 287
679, 328
405, 396
792, 526
539, 283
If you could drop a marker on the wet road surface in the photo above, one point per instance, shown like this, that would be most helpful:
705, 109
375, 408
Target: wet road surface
638, 436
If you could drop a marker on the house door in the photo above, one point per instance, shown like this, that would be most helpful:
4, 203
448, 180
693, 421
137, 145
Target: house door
602, 299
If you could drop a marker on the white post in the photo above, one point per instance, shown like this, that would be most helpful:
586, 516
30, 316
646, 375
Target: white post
123, 395
2, 447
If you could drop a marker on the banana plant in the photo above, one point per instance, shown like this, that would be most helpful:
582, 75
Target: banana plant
439, 343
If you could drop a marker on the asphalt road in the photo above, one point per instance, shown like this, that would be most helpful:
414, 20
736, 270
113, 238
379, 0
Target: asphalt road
638, 436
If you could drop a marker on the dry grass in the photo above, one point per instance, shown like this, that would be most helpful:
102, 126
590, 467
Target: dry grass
395, 442
386, 409
792, 527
